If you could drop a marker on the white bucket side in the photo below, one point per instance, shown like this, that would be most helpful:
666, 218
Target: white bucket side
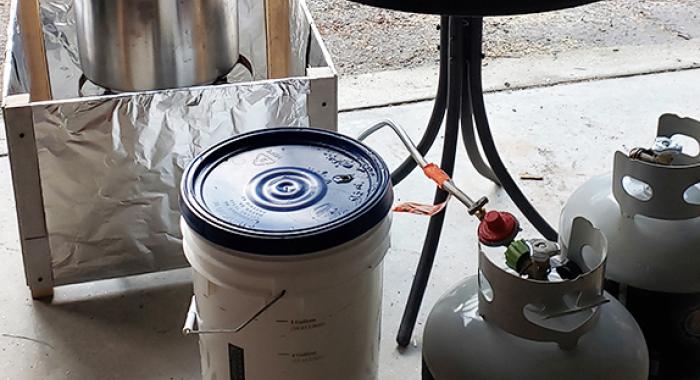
256, 273
313, 332
330, 334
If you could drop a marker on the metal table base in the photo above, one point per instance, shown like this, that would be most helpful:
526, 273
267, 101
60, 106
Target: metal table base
460, 103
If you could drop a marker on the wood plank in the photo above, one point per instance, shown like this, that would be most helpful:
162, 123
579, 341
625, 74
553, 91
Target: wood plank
34, 49
24, 164
277, 16
322, 102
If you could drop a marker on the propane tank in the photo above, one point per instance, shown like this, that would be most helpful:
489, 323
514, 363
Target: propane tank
536, 310
649, 210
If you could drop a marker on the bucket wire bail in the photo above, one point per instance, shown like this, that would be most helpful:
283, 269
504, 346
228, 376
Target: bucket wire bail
193, 319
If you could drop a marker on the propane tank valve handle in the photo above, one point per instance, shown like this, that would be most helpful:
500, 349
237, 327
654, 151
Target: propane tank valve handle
663, 152
650, 156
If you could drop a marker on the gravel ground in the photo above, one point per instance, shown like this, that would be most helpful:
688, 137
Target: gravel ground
364, 39
4, 16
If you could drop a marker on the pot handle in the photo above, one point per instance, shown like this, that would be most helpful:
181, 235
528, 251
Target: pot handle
192, 319
245, 62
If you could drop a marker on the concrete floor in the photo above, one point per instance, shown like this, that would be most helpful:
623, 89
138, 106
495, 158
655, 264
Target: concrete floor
130, 328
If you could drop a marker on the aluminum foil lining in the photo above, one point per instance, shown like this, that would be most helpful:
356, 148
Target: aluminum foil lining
110, 166
15, 77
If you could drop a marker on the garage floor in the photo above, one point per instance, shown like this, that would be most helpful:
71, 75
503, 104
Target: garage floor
130, 328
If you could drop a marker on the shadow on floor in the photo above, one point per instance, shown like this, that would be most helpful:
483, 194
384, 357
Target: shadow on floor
123, 328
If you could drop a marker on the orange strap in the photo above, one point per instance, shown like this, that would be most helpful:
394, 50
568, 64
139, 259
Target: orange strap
435, 173
438, 176
420, 208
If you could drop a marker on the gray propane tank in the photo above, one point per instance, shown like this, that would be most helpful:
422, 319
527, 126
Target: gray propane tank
500, 325
649, 210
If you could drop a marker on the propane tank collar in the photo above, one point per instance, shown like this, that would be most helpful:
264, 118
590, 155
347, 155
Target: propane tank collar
498, 229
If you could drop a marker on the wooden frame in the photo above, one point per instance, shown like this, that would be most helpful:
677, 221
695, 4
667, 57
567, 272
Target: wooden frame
323, 100
19, 111
29, 22
277, 14
26, 182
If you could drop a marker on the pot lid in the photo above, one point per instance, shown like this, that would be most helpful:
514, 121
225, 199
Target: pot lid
475, 7
285, 191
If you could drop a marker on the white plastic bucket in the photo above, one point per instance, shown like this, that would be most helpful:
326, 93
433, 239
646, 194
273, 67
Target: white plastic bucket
306, 316
325, 326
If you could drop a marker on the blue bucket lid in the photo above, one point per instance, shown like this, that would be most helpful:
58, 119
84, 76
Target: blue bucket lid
285, 191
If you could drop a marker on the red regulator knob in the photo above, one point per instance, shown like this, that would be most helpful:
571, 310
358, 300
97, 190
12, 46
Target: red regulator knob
498, 229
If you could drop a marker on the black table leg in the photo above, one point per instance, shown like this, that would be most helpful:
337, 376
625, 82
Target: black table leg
461, 93
468, 134
475, 57
432, 240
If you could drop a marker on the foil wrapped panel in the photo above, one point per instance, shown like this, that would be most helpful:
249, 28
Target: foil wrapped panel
110, 165
110, 169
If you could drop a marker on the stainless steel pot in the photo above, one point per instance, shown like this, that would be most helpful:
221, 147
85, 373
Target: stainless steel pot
136, 45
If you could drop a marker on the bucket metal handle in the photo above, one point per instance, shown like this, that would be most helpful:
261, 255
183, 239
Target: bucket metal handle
191, 321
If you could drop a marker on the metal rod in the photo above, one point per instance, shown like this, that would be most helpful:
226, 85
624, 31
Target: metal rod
403, 136
418, 158
451, 188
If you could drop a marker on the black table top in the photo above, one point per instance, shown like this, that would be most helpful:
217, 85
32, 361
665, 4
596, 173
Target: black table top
475, 8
